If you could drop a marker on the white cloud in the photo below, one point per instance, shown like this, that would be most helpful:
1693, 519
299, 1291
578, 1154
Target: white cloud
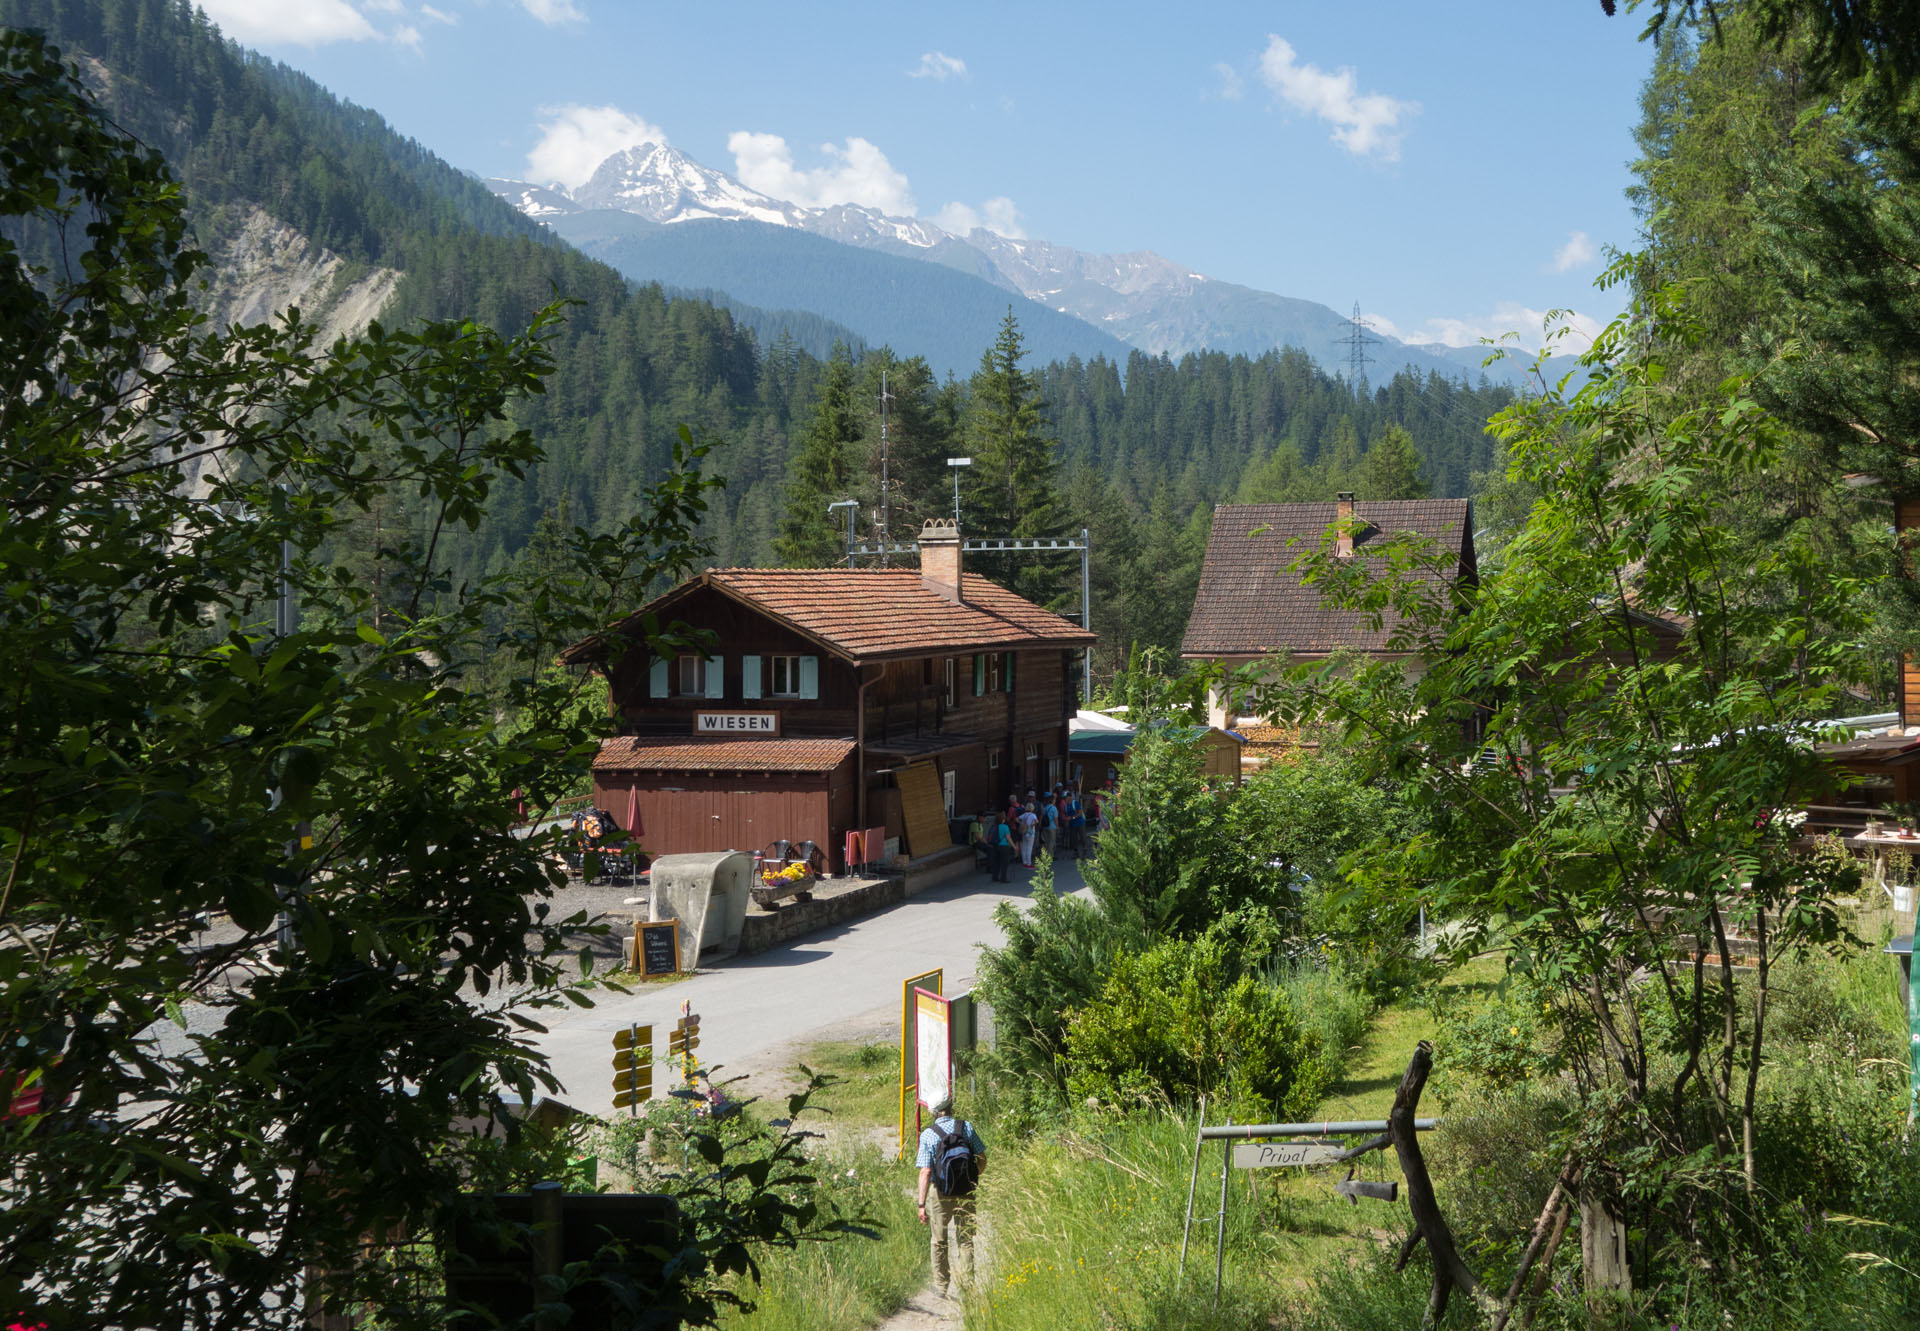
553, 11
1232, 87
438, 15
1365, 124
1578, 252
939, 66
289, 22
857, 173
1507, 317
574, 140
998, 215
408, 36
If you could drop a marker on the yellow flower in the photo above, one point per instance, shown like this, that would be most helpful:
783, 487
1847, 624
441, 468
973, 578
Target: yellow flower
1513, 1030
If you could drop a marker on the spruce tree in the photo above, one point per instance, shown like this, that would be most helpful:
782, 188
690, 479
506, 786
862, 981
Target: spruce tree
822, 471
1391, 469
1014, 486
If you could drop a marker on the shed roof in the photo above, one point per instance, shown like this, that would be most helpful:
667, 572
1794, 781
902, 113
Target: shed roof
866, 614
1250, 605
637, 753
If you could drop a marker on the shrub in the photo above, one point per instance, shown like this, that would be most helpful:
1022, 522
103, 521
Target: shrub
1174, 1022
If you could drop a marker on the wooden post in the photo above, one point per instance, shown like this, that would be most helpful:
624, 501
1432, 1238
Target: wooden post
1449, 1272
1603, 1239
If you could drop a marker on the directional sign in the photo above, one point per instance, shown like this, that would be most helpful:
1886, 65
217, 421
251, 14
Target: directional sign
1266, 1155
632, 1066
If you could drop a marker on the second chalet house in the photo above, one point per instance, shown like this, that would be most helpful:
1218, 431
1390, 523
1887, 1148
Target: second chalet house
836, 700
1251, 608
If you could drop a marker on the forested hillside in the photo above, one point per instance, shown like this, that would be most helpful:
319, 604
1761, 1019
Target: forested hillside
1137, 452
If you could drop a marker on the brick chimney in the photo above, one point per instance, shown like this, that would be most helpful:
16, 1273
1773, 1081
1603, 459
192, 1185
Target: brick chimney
940, 557
1343, 519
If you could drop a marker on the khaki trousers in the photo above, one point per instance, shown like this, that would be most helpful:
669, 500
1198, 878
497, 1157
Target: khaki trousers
960, 1212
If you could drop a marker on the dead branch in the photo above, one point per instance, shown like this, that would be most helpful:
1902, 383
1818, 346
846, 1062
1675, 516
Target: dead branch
1449, 1271
1537, 1241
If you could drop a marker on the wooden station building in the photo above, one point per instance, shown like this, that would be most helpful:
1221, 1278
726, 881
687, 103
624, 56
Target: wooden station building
834, 700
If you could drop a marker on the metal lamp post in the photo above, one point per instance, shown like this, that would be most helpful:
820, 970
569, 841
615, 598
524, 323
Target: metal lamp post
956, 464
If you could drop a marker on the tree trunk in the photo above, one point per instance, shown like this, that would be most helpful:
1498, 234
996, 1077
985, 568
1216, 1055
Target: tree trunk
1449, 1272
1603, 1238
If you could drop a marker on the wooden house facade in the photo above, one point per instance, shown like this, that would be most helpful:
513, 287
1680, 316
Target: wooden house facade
833, 700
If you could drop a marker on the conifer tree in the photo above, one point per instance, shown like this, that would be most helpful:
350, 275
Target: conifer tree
822, 471
1391, 469
1014, 486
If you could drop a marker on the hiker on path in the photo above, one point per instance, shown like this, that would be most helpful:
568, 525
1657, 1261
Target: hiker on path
1050, 825
1076, 814
1029, 825
951, 1159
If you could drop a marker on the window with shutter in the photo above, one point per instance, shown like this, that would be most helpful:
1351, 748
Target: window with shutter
717, 677
979, 675
809, 677
1006, 671
749, 677
657, 678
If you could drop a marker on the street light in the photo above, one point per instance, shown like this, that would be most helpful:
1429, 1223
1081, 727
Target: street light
956, 464
851, 505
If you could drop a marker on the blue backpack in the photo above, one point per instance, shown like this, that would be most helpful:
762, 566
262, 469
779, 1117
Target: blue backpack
955, 1167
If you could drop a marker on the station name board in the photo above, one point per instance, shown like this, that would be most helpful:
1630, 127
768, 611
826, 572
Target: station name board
736, 723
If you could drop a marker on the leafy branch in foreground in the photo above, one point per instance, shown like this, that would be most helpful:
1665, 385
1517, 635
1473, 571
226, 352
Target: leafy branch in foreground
251, 1047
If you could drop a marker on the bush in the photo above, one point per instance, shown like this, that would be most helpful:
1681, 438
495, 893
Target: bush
1174, 1023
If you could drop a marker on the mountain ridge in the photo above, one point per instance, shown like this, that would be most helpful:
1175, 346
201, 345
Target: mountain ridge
1139, 298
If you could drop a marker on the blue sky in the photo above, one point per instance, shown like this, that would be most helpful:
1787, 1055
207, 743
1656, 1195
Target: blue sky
1456, 168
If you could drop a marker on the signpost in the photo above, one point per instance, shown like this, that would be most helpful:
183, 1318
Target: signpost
656, 947
909, 1047
684, 1039
632, 1067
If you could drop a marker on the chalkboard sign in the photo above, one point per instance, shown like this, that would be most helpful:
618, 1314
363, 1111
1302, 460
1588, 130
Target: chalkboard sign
657, 947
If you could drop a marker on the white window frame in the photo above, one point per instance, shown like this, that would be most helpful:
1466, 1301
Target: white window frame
782, 676
993, 760
1033, 750
947, 791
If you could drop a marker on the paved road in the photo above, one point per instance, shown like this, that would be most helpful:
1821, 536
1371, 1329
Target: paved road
843, 979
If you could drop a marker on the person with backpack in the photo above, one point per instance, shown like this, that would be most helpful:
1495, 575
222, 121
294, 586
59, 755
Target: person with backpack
1000, 849
951, 1160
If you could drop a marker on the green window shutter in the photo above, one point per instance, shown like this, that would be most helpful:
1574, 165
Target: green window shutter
1007, 671
749, 677
717, 677
809, 677
657, 680
979, 675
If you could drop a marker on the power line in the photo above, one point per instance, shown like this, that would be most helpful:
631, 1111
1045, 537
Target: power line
1356, 340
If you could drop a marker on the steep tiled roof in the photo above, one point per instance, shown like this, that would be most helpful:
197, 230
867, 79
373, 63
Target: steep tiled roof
1249, 605
634, 753
874, 613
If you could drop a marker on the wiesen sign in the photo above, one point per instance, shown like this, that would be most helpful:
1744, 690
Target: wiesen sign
736, 723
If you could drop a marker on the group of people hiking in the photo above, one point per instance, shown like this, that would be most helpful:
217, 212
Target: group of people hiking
1057, 821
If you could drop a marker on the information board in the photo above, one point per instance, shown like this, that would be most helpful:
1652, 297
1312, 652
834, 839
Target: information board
933, 1043
657, 947
931, 982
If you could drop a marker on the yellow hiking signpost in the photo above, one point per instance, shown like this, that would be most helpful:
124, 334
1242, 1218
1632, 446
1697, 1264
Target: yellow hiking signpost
632, 1067
909, 1044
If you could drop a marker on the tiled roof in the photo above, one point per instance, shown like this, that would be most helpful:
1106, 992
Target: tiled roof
635, 753
874, 613
1249, 605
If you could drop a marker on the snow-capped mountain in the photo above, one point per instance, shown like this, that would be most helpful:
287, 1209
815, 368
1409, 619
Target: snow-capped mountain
1143, 299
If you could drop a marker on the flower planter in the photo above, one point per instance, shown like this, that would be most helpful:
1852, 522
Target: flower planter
768, 896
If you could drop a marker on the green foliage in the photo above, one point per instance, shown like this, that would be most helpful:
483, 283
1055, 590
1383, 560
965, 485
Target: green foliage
1628, 769
252, 1047
822, 470
749, 1191
1182, 1020
1054, 957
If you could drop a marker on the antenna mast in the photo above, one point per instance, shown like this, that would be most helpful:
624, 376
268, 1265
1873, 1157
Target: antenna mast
1356, 340
886, 496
